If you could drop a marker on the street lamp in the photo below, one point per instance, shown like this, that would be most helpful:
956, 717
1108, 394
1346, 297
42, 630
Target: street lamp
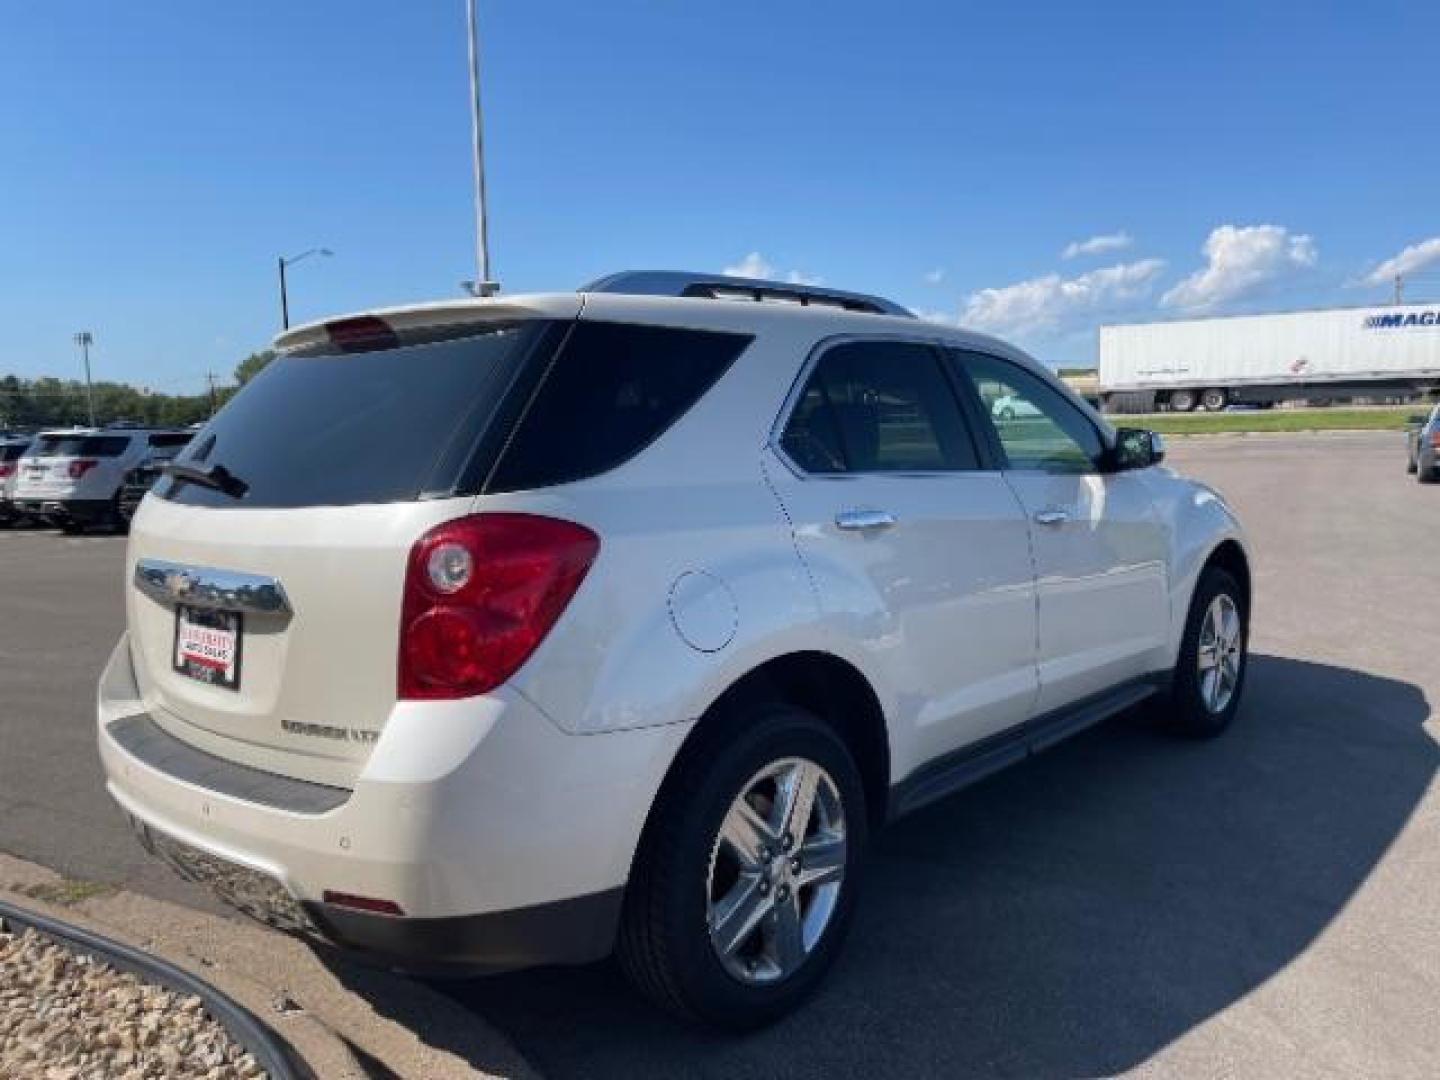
85, 339
484, 285
284, 297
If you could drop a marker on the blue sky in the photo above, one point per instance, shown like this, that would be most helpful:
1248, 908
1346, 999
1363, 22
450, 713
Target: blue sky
155, 158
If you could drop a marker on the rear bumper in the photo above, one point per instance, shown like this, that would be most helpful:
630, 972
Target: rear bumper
84, 511
574, 931
504, 841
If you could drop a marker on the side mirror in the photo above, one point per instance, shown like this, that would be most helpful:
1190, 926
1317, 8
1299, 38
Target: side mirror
1136, 448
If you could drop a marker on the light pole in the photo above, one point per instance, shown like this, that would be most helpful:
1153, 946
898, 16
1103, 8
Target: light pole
484, 286
85, 339
284, 296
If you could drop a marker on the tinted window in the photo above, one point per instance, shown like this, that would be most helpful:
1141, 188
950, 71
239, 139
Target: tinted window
612, 390
85, 445
170, 440
11, 451
366, 427
812, 435
878, 407
1037, 426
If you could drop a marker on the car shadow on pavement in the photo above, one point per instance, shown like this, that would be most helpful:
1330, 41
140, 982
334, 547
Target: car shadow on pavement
1070, 917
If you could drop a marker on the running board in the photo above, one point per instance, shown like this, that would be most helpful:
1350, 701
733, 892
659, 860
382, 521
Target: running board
973, 763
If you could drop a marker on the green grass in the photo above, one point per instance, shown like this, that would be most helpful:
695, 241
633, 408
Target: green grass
1375, 419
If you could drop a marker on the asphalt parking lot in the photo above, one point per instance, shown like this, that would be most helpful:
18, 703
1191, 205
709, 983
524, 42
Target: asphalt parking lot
1261, 905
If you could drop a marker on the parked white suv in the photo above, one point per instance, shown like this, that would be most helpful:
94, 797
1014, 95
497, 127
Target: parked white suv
512, 631
73, 478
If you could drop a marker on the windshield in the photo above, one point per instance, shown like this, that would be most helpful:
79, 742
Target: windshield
371, 427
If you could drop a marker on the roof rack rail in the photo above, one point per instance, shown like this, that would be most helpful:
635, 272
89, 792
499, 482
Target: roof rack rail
728, 287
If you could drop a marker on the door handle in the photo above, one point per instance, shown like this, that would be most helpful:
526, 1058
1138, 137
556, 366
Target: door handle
864, 519
1052, 516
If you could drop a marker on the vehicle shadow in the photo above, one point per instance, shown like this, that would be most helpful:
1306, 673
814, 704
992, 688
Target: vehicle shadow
1070, 917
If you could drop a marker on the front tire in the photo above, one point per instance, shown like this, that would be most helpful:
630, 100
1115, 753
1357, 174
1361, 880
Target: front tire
1182, 400
1209, 675
745, 882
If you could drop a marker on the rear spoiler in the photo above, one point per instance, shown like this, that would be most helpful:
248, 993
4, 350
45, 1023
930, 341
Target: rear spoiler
425, 320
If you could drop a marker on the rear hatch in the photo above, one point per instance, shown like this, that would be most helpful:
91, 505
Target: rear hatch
57, 464
267, 576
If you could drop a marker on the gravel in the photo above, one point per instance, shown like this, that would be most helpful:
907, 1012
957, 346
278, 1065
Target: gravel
68, 1016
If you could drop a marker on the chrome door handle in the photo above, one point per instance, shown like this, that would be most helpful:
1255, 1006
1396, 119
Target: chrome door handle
1052, 516
864, 519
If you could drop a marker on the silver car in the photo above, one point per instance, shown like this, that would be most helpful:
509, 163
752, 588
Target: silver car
1422, 447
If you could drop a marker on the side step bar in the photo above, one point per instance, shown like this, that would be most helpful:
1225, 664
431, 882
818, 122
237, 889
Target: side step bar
973, 763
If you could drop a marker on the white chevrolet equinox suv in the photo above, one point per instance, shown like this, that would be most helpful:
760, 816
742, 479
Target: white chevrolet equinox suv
510, 631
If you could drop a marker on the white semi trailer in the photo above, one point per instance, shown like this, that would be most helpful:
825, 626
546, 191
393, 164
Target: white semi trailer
1264, 359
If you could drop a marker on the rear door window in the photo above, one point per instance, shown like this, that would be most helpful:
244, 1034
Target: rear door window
342, 429
879, 406
612, 390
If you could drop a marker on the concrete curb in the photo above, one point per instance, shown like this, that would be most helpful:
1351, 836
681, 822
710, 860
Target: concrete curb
343, 1021
246, 1029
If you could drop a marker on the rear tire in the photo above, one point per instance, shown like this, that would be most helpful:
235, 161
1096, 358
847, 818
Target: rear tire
1214, 400
693, 877
1209, 676
119, 519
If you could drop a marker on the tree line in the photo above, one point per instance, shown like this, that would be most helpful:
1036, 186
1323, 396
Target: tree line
50, 402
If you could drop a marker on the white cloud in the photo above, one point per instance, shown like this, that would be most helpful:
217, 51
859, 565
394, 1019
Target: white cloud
934, 277
945, 318
752, 265
1240, 261
1051, 303
1413, 258
1098, 245
755, 265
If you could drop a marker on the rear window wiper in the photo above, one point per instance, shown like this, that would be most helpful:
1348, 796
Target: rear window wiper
217, 477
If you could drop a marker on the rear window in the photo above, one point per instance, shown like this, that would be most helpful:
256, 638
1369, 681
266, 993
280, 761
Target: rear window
82, 446
11, 451
170, 440
613, 389
367, 427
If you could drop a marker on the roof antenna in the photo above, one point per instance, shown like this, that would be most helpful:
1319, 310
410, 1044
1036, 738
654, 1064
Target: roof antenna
485, 286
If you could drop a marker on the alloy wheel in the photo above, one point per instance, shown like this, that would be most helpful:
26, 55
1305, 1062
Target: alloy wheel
776, 870
1220, 653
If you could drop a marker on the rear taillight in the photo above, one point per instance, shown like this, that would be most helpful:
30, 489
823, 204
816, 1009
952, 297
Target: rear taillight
1434, 440
80, 466
481, 593
6, 469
